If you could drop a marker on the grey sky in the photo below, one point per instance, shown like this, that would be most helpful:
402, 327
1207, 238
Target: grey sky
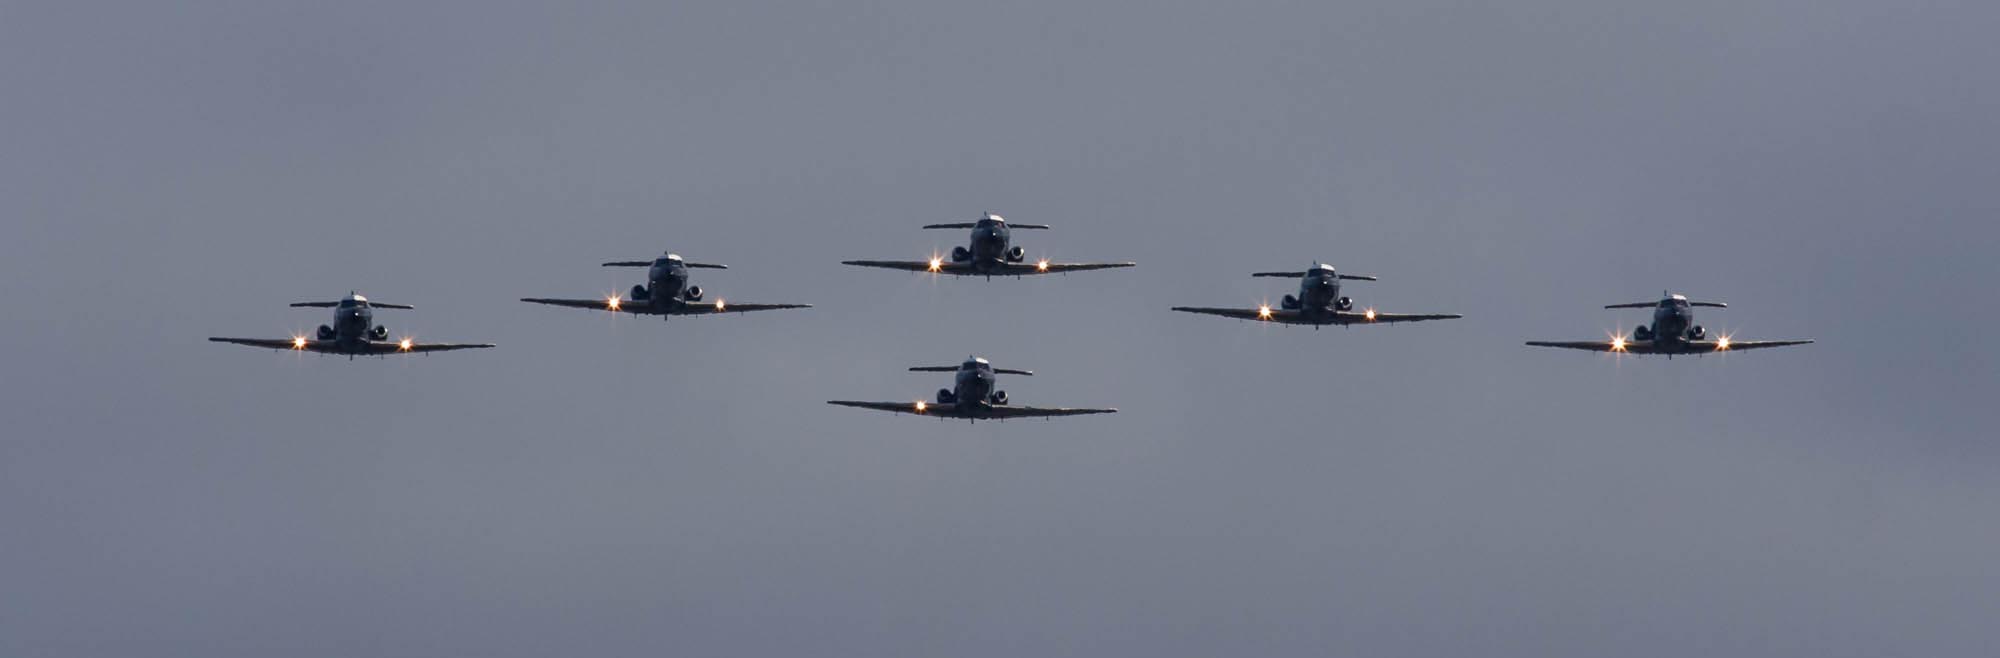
597, 487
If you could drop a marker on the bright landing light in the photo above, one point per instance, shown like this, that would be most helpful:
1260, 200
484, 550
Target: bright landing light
298, 342
1370, 314
921, 406
611, 303
1618, 343
404, 344
1721, 343
1264, 312
1042, 265
719, 305
937, 264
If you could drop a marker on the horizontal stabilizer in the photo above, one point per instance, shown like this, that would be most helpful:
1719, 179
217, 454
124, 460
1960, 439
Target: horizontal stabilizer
334, 304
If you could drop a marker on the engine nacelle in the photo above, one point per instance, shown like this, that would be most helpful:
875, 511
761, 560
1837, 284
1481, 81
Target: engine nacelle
694, 293
325, 332
999, 397
640, 293
379, 333
960, 255
1017, 255
1698, 332
1289, 303
945, 396
1344, 304
1642, 333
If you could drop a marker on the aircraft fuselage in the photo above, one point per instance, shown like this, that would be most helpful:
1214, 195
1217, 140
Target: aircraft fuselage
667, 279
1319, 294
973, 389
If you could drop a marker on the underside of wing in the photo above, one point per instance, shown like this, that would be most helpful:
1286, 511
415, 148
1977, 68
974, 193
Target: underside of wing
941, 267
1689, 348
600, 304
268, 343
1596, 345
1261, 314
367, 348
1700, 346
1373, 317
1024, 269
895, 407
719, 306
387, 348
1002, 412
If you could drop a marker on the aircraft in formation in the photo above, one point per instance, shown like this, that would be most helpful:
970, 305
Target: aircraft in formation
1318, 303
974, 397
990, 254
353, 333
1673, 333
666, 292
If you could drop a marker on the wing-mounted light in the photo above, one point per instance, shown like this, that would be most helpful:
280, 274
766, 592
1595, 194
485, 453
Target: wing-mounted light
405, 344
298, 342
936, 263
1618, 342
1722, 343
1370, 314
612, 302
1042, 265
921, 406
720, 306
1263, 311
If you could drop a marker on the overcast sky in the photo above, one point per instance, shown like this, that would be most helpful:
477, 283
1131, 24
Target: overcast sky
626, 487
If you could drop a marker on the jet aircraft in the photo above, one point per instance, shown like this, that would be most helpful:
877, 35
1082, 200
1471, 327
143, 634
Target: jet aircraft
1673, 333
666, 292
1318, 303
973, 397
989, 254
353, 333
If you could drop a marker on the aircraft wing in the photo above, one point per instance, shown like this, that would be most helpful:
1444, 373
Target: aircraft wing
1637, 347
1010, 411
369, 348
1740, 345
1271, 315
387, 347
1284, 316
943, 267
895, 407
267, 343
720, 306
996, 412
600, 304
1004, 269
1373, 317
646, 307
1024, 269
1651, 347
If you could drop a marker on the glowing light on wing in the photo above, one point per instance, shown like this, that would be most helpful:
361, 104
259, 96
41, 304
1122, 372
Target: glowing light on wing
298, 342
1042, 265
405, 344
611, 303
719, 305
1618, 343
1264, 312
921, 406
937, 264
1370, 313
1721, 342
